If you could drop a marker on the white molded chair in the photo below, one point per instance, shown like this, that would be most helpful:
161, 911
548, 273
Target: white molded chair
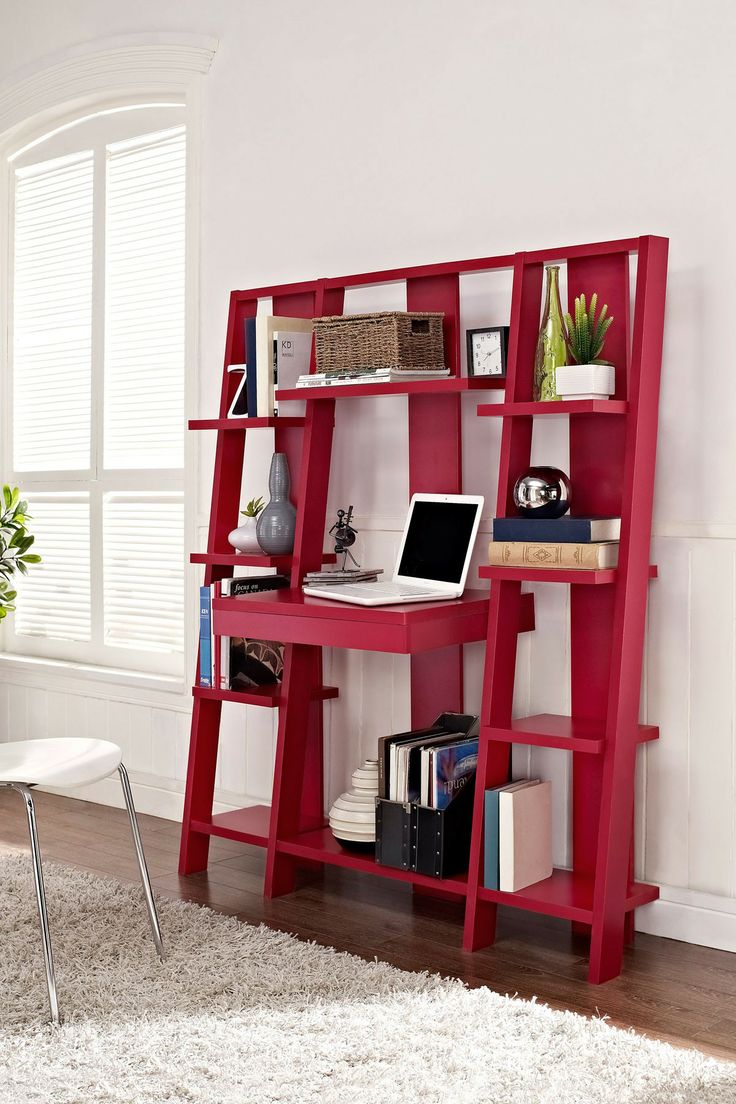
68, 762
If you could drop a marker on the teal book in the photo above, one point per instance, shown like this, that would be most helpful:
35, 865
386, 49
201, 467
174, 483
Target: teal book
490, 840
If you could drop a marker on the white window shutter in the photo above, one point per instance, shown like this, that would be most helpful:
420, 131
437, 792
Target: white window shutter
143, 573
52, 315
144, 295
54, 598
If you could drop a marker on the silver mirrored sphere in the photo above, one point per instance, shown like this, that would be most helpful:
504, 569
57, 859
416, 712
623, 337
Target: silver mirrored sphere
543, 493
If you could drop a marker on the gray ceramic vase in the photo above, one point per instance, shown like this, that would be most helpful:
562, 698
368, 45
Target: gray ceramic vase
277, 522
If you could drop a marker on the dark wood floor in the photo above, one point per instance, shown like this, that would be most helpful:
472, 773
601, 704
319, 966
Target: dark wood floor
673, 991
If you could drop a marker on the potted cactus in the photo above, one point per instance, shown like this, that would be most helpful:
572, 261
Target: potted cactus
244, 537
588, 376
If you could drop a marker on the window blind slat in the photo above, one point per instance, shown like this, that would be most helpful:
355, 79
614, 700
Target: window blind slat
54, 600
144, 571
144, 357
52, 315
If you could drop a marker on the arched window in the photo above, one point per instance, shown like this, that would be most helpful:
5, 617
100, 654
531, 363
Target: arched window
94, 379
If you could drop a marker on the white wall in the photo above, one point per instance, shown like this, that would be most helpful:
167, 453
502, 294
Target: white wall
341, 137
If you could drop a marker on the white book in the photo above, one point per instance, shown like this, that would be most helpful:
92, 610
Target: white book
266, 326
292, 354
380, 375
524, 835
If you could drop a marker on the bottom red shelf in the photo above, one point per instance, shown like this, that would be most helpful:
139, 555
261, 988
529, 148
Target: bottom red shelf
567, 895
321, 845
246, 825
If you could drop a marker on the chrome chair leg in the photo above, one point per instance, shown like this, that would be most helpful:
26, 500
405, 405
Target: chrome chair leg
41, 900
147, 892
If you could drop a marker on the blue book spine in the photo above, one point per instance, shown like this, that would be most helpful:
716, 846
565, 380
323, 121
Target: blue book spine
205, 636
490, 841
567, 530
251, 378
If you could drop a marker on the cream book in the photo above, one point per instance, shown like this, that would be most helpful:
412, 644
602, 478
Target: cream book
267, 325
524, 836
527, 554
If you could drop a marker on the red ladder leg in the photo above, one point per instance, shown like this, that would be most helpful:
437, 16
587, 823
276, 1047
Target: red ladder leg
297, 782
200, 787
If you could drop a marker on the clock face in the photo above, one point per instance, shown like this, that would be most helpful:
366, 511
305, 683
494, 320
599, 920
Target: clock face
487, 353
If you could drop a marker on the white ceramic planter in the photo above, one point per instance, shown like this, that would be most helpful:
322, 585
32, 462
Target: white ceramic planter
244, 538
586, 381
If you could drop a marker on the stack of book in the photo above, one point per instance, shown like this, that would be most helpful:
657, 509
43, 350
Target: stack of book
236, 663
337, 577
429, 766
278, 350
567, 542
348, 376
517, 845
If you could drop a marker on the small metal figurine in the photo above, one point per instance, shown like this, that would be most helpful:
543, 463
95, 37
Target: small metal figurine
345, 537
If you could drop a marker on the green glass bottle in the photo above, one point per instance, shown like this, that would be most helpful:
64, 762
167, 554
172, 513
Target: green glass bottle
551, 352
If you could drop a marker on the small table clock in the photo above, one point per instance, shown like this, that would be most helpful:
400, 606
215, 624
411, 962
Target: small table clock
487, 351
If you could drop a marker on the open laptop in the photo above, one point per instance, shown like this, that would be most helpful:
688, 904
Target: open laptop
433, 558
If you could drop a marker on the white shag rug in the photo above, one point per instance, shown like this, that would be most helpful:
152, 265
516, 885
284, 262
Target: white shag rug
243, 1014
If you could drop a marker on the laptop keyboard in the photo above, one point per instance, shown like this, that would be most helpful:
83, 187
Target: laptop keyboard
381, 590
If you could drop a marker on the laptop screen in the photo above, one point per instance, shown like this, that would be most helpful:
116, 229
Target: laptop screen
437, 541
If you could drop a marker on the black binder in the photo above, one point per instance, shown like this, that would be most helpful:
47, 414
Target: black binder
435, 842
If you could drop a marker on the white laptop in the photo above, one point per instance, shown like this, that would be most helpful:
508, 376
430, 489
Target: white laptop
433, 559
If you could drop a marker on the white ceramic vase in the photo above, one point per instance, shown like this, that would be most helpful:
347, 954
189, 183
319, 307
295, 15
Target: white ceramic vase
353, 816
244, 538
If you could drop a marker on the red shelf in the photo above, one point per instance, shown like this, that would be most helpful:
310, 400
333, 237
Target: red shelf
322, 846
611, 467
267, 696
567, 895
450, 386
291, 616
245, 825
592, 577
237, 559
556, 731
569, 406
239, 425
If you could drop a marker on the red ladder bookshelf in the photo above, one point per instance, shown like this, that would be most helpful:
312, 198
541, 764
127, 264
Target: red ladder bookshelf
612, 447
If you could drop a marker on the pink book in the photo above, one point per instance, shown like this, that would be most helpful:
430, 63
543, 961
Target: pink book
524, 836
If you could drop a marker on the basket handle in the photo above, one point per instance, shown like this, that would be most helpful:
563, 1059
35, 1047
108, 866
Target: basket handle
420, 326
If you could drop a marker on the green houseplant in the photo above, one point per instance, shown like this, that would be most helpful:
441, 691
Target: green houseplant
244, 538
15, 542
587, 375
585, 335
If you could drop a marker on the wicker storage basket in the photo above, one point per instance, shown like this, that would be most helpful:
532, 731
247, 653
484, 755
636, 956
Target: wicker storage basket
391, 339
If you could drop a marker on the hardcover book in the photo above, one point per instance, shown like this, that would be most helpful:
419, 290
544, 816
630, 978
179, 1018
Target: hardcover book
206, 654
490, 831
251, 370
266, 326
548, 555
564, 530
524, 836
254, 584
292, 351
